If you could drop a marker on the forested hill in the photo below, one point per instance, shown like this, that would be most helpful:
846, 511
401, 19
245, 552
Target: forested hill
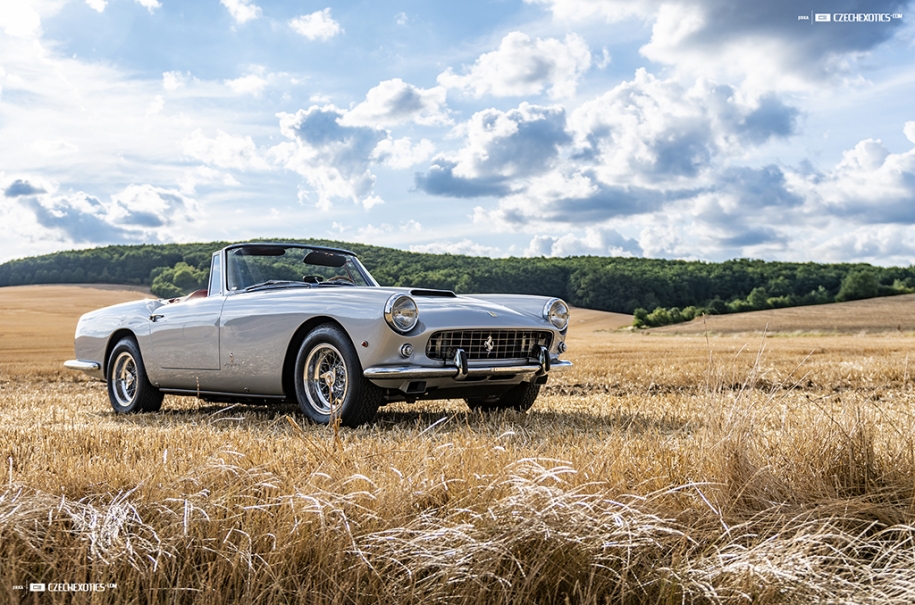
672, 290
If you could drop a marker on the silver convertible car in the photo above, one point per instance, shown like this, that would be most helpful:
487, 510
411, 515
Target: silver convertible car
283, 322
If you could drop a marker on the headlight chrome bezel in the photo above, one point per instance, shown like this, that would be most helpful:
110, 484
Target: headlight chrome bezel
556, 312
393, 309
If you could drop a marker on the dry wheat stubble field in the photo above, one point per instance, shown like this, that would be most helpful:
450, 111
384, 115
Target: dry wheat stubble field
737, 467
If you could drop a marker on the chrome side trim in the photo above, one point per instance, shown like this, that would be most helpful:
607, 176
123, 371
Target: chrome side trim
85, 366
411, 372
193, 392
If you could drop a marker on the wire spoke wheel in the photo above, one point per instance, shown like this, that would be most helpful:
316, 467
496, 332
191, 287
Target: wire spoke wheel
329, 384
125, 379
326, 379
129, 389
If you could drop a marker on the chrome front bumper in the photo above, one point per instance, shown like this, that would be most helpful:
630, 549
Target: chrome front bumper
416, 372
462, 369
85, 366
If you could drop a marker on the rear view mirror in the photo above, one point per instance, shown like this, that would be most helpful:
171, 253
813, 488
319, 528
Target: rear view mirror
321, 258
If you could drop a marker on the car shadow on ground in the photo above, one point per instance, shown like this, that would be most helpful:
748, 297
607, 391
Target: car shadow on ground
449, 421
418, 421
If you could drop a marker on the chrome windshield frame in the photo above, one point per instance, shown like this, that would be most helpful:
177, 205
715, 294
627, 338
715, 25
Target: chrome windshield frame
224, 254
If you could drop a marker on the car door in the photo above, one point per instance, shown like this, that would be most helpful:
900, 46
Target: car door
185, 335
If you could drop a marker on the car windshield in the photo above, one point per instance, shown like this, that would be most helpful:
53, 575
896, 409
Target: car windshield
278, 266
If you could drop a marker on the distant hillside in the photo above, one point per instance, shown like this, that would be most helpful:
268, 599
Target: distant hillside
674, 291
896, 314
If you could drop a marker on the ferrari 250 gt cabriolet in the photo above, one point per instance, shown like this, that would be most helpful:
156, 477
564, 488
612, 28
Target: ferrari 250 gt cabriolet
309, 324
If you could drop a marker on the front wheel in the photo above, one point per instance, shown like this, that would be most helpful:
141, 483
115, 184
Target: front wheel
328, 380
519, 398
129, 390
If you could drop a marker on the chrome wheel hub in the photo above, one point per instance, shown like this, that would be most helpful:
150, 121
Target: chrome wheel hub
326, 380
125, 376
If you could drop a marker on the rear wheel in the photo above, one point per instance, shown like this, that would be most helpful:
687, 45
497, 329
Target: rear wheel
129, 390
328, 380
519, 398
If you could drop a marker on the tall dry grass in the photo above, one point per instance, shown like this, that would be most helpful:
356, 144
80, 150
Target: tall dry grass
658, 470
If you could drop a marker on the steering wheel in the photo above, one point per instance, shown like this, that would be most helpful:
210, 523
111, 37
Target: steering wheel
312, 279
342, 278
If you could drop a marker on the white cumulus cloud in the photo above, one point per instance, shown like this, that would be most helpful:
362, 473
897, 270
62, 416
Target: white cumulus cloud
242, 10
395, 102
880, 244
401, 153
173, 80
466, 247
19, 19
870, 185
150, 5
334, 159
316, 26
54, 147
607, 10
371, 201
155, 106
136, 213
224, 150
909, 131
147, 206
649, 129
754, 43
502, 150
595, 242
97, 5
251, 84
524, 66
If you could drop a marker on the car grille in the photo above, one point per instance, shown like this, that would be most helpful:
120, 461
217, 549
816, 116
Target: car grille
488, 344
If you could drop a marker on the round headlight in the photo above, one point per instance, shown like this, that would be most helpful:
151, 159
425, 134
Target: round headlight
401, 313
557, 313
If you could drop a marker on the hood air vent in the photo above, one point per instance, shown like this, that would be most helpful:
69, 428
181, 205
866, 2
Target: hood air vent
439, 293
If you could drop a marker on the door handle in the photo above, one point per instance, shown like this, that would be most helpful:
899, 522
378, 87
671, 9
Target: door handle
154, 317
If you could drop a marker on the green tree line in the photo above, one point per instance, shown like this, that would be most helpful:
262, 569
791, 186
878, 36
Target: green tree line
656, 291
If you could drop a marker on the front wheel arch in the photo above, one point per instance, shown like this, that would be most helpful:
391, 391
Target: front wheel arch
113, 340
292, 351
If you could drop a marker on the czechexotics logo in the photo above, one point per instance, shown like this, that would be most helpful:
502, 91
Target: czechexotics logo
849, 17
65, 587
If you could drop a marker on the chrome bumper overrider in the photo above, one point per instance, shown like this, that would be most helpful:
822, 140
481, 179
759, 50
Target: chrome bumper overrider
85, 366
415, 372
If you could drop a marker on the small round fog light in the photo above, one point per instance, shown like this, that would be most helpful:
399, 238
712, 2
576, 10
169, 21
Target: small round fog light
406, 350
561, 348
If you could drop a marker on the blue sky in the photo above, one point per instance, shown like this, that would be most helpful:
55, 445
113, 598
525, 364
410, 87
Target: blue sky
697, 129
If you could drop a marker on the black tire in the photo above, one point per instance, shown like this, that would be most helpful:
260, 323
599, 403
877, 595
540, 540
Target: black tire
329, 381
129, 390
519, 398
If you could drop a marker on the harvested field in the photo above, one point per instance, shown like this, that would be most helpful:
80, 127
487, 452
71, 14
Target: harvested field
586, 321
37, 322
660, 469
